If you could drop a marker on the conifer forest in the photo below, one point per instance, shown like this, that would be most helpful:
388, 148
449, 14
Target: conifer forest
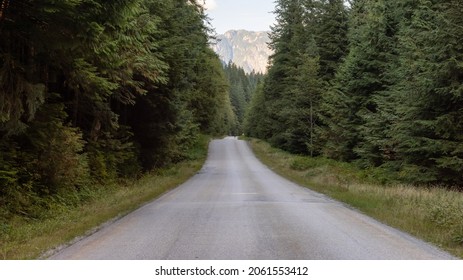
374, 82
92, 91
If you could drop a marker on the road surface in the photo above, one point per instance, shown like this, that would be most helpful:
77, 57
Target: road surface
237, 208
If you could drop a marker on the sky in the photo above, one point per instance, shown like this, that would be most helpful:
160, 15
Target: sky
252, 15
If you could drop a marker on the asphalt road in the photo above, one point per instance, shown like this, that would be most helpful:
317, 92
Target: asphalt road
237, 208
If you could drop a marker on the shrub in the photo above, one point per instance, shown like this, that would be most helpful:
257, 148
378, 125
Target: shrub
57, 161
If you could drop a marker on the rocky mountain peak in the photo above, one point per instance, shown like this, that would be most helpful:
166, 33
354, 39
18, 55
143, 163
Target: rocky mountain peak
247, 49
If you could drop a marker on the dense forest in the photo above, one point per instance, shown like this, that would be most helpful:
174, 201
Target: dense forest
376, 82
93, 91
241, 88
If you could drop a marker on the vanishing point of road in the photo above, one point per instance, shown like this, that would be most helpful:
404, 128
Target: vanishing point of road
236, 208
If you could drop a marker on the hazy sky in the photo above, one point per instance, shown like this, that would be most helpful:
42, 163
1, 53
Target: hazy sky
252, 15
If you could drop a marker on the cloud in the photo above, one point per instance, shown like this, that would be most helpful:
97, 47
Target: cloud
209, 4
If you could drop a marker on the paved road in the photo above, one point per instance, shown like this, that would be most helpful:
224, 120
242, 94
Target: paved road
237, 208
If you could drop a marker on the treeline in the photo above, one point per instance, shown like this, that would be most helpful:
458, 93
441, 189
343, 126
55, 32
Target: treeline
377, 82
92, 91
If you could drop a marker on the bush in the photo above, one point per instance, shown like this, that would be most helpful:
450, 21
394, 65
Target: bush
114, 155
305, 163
57, 161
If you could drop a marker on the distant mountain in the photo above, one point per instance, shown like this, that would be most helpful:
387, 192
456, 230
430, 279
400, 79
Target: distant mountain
247, 49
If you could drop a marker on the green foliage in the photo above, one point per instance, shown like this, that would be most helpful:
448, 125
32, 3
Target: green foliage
398, 115
96, 91
331, 36
447, 216
256, 124
305, 163
378, 83
210, 101
167, 119
241, 89
113, 156
429, 135
287, 108
56, 152
19, 98
350, 106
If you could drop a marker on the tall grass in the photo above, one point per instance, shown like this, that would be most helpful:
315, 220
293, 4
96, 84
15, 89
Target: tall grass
26, 238
432, 214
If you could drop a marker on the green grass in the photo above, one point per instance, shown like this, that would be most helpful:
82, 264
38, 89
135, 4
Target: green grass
432, 214
29, 238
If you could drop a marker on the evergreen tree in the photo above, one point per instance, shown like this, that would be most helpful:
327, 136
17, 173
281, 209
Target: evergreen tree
377, 130
168, 118
90, 90
331, 36
308, 103
241, 89
287, 103
254, 123
429, 100
309, 42
348, 106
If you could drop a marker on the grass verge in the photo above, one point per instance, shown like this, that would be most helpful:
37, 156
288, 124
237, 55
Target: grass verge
30, 239
432, 214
